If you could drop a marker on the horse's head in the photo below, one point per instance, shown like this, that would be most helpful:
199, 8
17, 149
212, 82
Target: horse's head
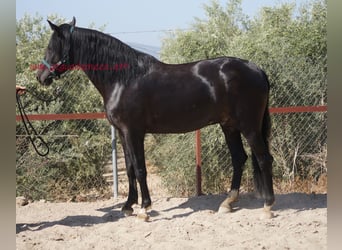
57, 56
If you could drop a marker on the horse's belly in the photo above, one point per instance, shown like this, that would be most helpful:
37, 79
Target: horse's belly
181, 121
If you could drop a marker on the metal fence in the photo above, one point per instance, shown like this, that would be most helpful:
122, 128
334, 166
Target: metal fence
79, 161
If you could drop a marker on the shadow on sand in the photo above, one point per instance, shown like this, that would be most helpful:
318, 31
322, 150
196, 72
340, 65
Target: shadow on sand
112, 213
296, 201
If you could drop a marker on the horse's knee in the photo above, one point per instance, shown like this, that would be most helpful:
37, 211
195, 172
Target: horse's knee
141, 174
239, 159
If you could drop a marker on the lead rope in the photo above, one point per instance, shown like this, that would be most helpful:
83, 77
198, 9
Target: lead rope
34, 137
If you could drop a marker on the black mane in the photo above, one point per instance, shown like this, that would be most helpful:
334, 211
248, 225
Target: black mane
92, 47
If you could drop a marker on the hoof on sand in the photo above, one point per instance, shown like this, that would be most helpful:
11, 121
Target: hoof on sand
225, 209
266, 215
127, 212
142, 215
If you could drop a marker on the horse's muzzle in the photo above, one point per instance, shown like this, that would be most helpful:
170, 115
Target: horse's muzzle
43, 77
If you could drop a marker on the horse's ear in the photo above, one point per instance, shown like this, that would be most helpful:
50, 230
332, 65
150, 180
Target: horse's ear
73, 22
52, 25
55, 28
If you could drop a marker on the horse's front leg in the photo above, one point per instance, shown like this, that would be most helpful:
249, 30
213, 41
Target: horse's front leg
132, 188
134, 144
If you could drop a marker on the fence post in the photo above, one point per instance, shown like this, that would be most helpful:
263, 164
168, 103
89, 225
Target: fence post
198, 163
114, 162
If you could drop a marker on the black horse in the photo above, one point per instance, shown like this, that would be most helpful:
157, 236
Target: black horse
148, 96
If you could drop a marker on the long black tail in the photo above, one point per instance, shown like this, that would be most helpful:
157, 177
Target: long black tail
260, 185
266, 122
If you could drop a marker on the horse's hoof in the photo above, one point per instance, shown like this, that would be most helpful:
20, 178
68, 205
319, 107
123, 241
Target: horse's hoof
233, 196
225, 206
142, 215
127, 212
266, 215
225, 209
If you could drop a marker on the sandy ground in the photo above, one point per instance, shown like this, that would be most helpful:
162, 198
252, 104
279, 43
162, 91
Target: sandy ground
300, 222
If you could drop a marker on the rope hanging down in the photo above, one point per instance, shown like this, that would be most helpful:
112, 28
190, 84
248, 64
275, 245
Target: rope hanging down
36, 140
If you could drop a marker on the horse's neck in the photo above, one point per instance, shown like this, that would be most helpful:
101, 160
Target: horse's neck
125, 63
93, 65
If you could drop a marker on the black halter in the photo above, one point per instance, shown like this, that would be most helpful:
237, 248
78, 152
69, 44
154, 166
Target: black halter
61, 66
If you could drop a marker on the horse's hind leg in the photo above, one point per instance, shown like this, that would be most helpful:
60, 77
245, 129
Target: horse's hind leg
239, 157
262, 163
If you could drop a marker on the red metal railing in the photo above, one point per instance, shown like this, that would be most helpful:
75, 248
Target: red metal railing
90, 116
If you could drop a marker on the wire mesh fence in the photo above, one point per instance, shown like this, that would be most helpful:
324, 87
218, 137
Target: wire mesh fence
73, 168
80, 150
